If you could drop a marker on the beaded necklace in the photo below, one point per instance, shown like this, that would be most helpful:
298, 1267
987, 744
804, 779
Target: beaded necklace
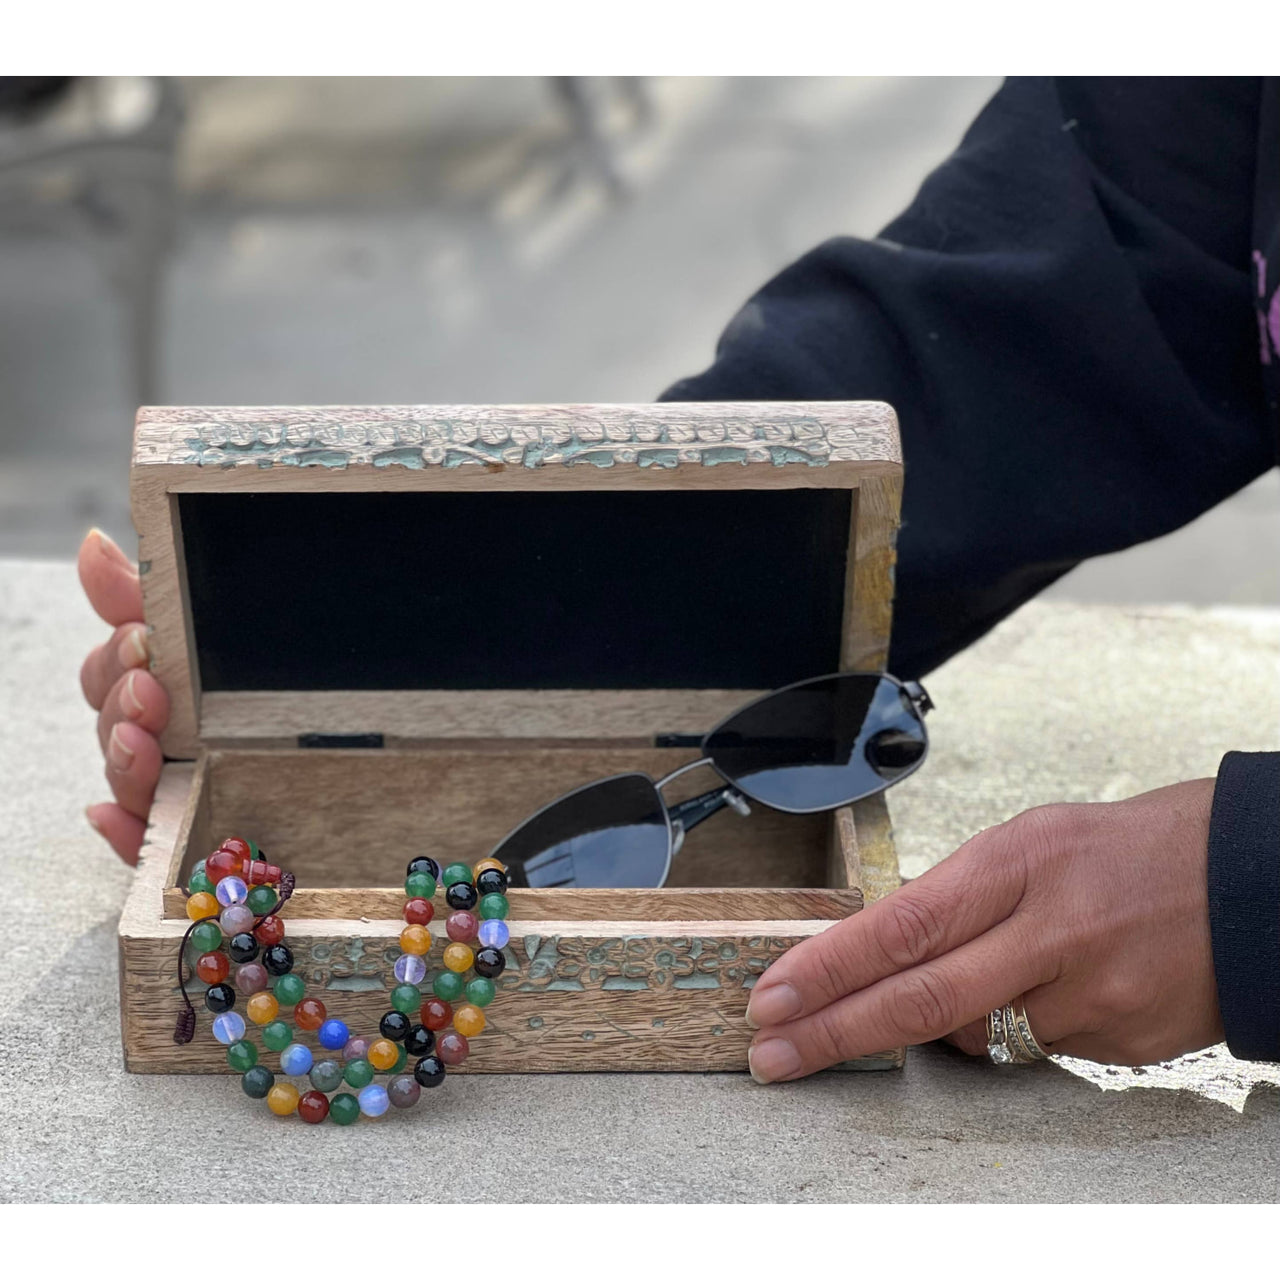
234, 899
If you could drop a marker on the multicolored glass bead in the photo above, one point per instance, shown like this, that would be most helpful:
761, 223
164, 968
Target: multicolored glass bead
251, 978
494, 933
236, 919
326, 1076
295, 1059
410, 968
403, 1091
373, 1100
230, 890
228, 1028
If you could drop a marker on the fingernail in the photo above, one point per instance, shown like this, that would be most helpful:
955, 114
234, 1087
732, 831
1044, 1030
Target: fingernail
92, 821
109, 545
129, 699
773, 1060
119, 757
133, 648
771, 1005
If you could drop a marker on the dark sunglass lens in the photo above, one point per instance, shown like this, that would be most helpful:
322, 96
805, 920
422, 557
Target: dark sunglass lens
820, 744
609, 835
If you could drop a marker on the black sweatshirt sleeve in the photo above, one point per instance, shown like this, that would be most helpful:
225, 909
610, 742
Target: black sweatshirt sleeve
1062, 320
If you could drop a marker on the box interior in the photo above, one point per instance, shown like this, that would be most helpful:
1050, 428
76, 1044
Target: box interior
354, 818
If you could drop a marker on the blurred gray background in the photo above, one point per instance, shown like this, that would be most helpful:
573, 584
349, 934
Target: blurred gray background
445, 240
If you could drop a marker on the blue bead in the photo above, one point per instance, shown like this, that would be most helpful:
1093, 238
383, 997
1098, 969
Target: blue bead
333, 1034
373, 1099
295, 1060
494, 933
228, 1028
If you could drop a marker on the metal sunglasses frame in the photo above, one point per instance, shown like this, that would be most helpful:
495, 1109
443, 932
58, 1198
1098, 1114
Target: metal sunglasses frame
683, 816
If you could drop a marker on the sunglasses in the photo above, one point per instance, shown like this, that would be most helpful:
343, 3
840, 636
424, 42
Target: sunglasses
811, 747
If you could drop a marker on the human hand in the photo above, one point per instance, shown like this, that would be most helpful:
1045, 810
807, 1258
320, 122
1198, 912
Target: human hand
131, 703
1097, 914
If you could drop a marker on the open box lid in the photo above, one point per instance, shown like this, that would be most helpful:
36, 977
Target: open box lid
362, 576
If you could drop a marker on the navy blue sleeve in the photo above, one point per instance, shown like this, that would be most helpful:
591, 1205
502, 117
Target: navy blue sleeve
1244, 901
1062, 320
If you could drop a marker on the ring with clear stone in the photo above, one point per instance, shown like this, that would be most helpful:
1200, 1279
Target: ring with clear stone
1010, 1039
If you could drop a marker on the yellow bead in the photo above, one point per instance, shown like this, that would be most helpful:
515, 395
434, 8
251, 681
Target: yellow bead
468, 1020
383, 1055
486, 863
458, 957
262, 1008
415, 939
282, 1099
200, 906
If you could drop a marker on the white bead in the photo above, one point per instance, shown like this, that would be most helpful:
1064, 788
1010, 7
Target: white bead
410, 968
228, 1028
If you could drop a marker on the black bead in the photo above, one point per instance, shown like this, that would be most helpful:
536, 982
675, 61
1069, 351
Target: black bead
491, 880
220, 998
429, 865
419, 1041
429, 1072
243, 948
257, 1082
490, 962
461, 896
394, 1025
277, 959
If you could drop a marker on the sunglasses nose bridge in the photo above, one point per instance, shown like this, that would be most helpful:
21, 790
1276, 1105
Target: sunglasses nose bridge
681, 771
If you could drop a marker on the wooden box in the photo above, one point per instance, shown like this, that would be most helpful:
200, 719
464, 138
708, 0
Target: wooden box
390, 631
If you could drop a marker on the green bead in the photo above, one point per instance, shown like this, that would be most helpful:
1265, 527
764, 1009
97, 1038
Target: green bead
200, 883
402, 1056
344, 1109
357, 1074
448, 985
289, 988
326, 1076
457, 873
206, 936
255, 854
493, 906
277, 1035
242, 1055
419, 885
480, 992
257, 1082
406, 998
200, 866
262, 900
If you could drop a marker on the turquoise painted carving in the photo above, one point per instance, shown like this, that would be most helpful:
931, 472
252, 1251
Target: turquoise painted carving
418, 437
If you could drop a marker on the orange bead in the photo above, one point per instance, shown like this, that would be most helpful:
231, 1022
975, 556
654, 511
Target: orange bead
213, 967
486, 864
262, 1008
458, 957
282, 1099
383, 1055
468, 1020
309, 1013
200, 906
415, 939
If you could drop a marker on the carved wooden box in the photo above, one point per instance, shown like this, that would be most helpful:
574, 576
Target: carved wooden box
390, 631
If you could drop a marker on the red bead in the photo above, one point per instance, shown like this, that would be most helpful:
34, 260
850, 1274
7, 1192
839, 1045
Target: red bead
213, 967
418, 911
270, 930
452, 1049
237, 846
309, 1013
227, 862
222, 864
313, 1107
462, 926
436, 1013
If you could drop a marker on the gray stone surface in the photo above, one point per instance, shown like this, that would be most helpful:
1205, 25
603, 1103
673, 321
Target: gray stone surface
1059, 702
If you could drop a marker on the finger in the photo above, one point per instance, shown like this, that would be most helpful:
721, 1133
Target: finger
109, 579
962, 897
138, 698
119, 828
971, 1038
926, 1002
127, 649
133, 767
